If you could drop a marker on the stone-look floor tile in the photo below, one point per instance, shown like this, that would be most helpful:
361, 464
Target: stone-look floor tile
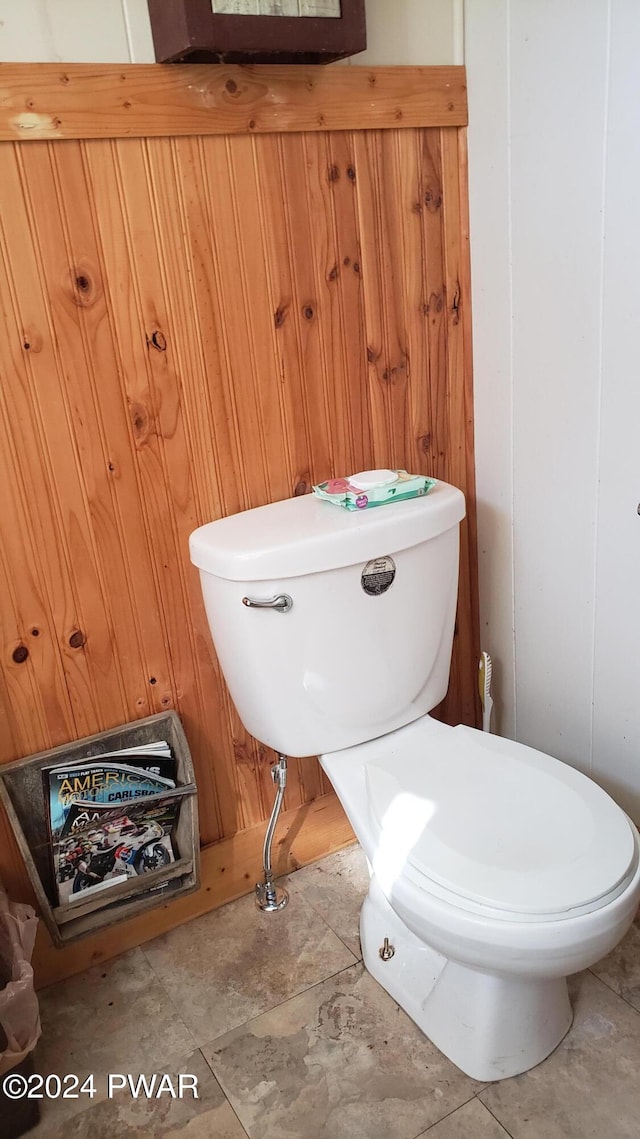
237, 962
340, 1061
114, 1017
471, 1121
336, 888
620, 969
589, 1087
209, 1116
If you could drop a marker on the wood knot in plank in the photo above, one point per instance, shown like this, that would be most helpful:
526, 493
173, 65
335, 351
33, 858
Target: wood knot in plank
433, 199
424, 442
308, 312
395, 371
242, 754
77, 639
31, 340
20, 654
332, 275
280, 315
351, 173
302, 486
140, 421
333, 173
433, 305
84, 289
157, 340
455, 305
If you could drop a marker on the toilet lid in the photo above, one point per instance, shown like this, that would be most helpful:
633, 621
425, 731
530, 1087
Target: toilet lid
498, 823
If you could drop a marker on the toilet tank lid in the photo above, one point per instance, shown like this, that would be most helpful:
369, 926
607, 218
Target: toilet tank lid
305, 535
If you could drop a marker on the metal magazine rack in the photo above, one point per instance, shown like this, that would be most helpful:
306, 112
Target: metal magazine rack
22, 791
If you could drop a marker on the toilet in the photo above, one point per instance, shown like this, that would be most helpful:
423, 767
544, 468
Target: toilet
496, 870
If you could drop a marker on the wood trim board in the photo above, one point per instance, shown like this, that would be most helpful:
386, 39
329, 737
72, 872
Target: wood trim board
70, 101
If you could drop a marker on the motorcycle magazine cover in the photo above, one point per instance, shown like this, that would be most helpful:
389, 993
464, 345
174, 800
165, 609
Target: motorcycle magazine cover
110, 818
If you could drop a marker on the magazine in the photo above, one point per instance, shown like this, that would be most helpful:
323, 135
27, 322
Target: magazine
119, 846
111, 817
111, 778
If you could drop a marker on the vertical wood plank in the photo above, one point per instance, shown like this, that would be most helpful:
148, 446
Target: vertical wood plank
283, 303
333, 318
71, 264
192, 274
120, 174
33, 555
23, 714
411, 264
341, 174
462, 699
307, 311
126, 425
386, 348
430, 201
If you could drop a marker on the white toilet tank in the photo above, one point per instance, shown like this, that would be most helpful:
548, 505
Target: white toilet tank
366, 645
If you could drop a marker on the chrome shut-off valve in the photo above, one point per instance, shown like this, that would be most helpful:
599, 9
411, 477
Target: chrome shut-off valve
270, 897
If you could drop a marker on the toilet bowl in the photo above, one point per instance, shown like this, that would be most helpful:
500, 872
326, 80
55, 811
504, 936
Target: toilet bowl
487, 902
496, 870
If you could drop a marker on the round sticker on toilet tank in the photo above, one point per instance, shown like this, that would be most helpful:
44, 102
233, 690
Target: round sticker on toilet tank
378, 575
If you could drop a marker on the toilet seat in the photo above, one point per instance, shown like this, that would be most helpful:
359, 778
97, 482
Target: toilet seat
493, 826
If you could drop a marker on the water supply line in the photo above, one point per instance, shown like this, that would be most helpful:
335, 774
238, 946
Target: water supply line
270, 897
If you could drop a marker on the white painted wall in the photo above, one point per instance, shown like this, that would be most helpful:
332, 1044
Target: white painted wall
616, 681
554, 92
75, 31
413, 32
554, 140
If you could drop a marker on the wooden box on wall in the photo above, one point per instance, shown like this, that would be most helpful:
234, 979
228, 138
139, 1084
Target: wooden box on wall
239, 31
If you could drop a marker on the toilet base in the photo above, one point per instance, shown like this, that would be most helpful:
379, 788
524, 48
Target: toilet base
489, 1026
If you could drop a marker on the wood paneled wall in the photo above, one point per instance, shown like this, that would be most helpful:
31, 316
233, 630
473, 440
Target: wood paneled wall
194, 324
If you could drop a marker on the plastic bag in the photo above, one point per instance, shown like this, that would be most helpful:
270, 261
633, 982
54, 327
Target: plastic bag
19, 1013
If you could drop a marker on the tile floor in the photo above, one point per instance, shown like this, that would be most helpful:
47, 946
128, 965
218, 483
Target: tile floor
290, 1038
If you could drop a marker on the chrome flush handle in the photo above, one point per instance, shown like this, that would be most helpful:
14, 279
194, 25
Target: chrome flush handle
282, 603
